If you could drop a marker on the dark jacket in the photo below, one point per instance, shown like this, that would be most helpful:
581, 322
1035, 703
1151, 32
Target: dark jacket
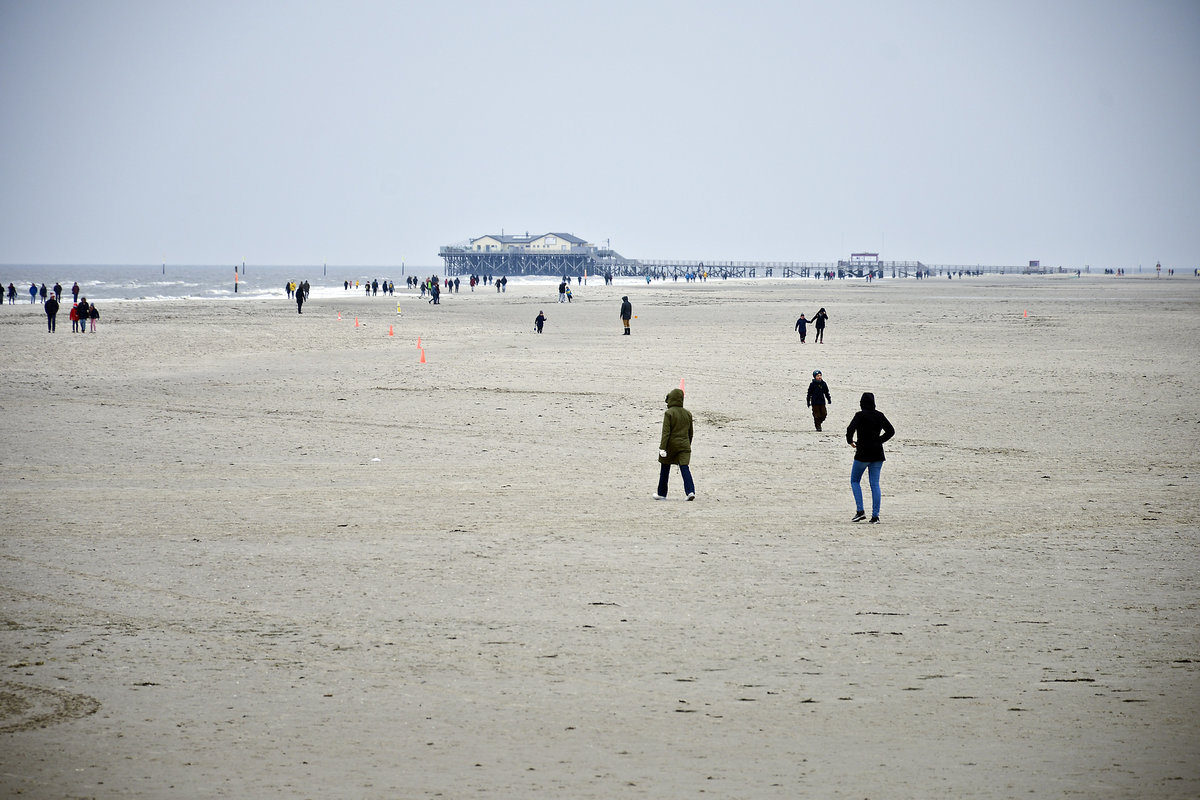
626, 308
873, 430
802, 325
819, 318
676, 431
818, 393
51, 306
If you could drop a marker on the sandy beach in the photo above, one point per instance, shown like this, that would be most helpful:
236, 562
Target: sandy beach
251, 553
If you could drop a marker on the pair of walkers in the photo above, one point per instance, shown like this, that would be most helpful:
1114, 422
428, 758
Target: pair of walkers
869, 425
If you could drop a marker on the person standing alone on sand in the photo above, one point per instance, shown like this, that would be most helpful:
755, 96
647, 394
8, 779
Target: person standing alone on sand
539, 321
802, 328
51, 307
626, 313
675, 446
819, 320
818, 396
873, 430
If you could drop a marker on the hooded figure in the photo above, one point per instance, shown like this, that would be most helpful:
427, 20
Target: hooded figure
818, 397
626, 313
675, 446
873, 430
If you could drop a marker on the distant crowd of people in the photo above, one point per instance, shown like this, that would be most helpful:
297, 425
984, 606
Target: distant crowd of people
84, 315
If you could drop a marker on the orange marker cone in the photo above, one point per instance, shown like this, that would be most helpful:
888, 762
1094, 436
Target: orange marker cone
418, 342
339, 315
1026, 313
422, 356
390, 331
681, 385
356, 322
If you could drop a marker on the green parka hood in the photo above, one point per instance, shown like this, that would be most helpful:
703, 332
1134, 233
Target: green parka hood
675, 398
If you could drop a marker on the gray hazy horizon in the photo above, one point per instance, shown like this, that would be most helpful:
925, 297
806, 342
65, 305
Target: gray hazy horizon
370, 133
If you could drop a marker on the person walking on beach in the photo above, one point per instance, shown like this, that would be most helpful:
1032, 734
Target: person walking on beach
802, 328
58, 292
299, 295
626, 313
873, 430
83, 311
32, 293
819, 321
675, 446
562, 291
75, 318
75, 292
12, 294
51, 307
93, 315
818, 397
539, 321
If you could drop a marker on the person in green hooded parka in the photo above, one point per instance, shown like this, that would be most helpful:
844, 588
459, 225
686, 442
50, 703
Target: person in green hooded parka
675, 447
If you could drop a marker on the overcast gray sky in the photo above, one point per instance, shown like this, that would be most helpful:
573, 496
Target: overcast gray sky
360, 132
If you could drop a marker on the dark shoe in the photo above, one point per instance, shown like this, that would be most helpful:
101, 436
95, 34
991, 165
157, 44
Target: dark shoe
818, 426
874, 520
859, 516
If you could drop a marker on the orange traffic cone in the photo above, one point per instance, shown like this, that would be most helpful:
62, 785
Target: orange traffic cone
339, 315
422, 356
356, 322
390, 331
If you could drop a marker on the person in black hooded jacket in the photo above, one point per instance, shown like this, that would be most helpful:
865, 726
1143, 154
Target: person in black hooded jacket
873, 430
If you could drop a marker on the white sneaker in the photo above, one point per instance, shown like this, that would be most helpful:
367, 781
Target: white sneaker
659, 497
692, 496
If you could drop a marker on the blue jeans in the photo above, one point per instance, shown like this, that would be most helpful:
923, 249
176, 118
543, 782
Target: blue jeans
856, 472
664, 472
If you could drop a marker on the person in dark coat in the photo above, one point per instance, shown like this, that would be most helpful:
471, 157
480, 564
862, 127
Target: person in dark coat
83, 309
51, 306
802, 328
626, 313
873, 430
539, 321
675, 445
818, 397
819, 320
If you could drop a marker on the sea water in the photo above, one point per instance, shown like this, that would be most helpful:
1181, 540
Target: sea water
159, 282
169, 282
